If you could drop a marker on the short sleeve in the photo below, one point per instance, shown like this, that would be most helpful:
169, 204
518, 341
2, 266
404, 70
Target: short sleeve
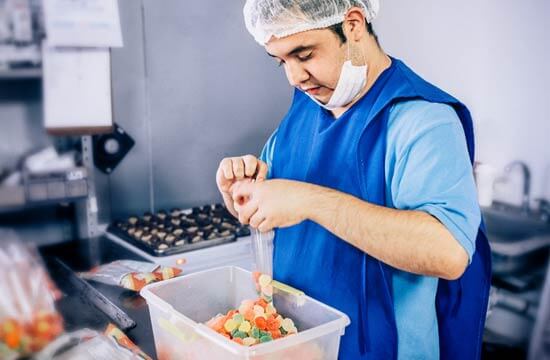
429, 168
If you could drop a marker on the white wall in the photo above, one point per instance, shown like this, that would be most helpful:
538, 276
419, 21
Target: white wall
494, 56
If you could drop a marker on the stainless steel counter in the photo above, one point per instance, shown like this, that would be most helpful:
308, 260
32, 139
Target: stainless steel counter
77, 310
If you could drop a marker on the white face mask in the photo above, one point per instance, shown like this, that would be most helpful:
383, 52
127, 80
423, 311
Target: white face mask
352, 80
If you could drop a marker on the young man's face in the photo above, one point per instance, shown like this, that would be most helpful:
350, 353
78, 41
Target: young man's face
312, 60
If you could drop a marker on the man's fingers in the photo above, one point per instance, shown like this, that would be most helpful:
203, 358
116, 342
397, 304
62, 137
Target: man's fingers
262, 171
265, 226
226, 166
238, 167
250, 165
256, 219
246, 211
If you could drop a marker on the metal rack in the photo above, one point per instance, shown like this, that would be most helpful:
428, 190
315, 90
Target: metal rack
21, 74
46, 189
87, 211
539, 348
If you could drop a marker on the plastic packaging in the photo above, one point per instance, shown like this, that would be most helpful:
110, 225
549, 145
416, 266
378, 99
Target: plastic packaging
262, 248
87, 344
180, 307
485, 176
28, 318
130, 274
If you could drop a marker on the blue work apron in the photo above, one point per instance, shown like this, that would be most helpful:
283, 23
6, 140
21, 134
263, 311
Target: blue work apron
348, 154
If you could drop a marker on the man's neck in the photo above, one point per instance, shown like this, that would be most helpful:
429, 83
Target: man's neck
377, 62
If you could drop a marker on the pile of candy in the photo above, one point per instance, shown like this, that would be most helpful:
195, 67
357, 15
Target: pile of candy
28, 338
28, 318
255, 321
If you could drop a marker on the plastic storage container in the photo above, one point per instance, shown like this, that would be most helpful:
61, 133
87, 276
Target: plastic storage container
179, 307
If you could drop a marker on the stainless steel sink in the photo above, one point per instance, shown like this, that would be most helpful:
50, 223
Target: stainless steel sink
519, 239
508, 222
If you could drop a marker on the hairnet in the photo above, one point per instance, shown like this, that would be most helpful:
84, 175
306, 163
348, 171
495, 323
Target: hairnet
280, 18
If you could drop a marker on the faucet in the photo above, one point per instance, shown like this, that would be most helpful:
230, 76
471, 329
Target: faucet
526, 181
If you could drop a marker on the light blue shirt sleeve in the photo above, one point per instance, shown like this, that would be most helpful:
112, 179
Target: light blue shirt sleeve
267, 152
428, 168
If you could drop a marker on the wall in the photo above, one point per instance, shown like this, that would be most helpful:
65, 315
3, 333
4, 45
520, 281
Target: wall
191, 86
493, 55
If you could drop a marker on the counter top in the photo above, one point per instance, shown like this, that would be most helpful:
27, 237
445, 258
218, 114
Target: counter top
79, 313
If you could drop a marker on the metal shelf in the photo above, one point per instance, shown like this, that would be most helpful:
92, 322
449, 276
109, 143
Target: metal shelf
21, 74
47, 189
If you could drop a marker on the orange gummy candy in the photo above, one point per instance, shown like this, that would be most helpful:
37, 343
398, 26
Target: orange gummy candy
262, 303
272, 323
275, 334
13, 339
261, 323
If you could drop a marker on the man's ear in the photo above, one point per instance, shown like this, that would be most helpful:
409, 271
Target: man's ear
355, 24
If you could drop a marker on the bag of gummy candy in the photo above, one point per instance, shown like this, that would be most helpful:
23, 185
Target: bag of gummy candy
86, 344
130, 274
28, 318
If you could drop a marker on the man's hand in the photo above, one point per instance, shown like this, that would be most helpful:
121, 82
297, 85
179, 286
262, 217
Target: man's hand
233, 169
273, 203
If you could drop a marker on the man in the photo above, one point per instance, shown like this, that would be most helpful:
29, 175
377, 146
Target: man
370, 187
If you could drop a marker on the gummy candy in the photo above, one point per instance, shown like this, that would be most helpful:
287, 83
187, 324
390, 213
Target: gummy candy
266, 338
245, 327
254, 321
230, 325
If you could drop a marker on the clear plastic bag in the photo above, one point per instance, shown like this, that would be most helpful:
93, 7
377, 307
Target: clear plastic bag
262, 248
87, 344
130, 274
28, 318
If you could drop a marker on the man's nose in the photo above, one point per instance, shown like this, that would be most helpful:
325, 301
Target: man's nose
296, 75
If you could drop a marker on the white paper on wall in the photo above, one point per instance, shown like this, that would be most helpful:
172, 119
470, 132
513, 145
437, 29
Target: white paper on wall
82, 23
77, 88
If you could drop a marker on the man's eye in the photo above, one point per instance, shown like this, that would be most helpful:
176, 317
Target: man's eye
305, 57
280, 62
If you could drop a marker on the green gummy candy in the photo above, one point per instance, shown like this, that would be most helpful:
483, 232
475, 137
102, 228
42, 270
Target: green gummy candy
240, 334
265, 338
255, 333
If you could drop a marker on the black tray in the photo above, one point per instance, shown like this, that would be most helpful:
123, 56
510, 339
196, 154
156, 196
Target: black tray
202, 217
173, 249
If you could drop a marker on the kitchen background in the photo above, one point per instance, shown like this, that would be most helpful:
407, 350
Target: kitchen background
190, 94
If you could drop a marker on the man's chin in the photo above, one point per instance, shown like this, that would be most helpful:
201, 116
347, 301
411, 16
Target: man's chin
322, 99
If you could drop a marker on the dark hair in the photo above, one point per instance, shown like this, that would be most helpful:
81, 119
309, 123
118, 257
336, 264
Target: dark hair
338, 29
